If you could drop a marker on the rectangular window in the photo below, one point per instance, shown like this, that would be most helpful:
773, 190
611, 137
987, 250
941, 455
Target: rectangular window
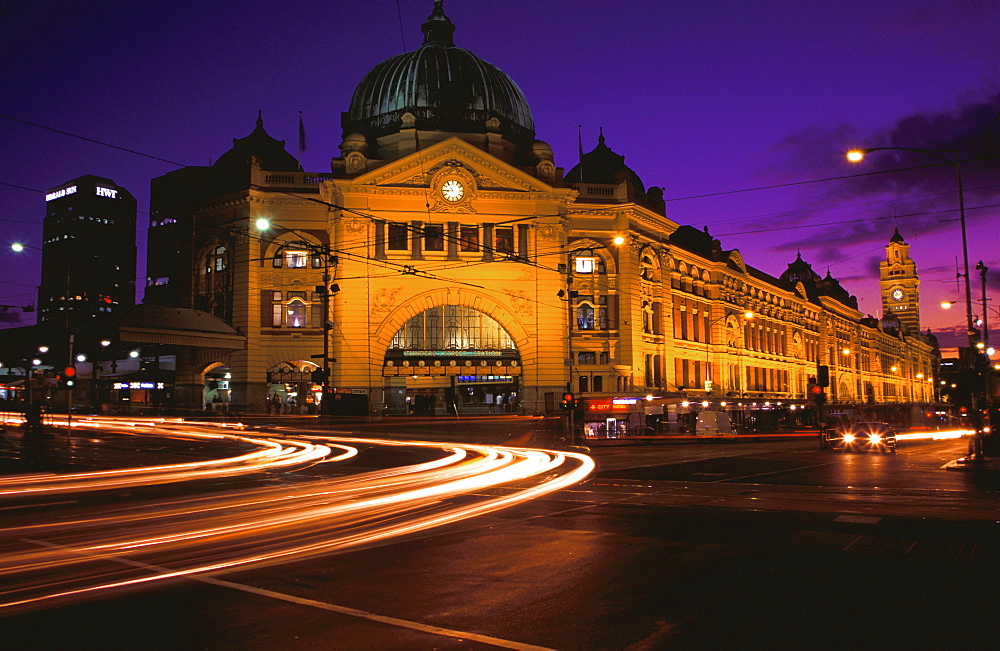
469, 236
584, 265
275, 296
586, 358
296, 259
276, 310
434, 237
504, 239
399, 237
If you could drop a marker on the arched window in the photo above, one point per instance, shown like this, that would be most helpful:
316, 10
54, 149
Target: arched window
452, 327
296, 313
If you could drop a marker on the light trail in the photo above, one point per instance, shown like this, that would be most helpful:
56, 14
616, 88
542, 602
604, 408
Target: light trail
81, 552
937, 435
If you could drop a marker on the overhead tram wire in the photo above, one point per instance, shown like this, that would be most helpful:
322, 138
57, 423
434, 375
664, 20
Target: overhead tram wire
529, 218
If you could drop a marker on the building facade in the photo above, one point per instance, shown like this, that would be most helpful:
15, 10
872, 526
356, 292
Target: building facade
446, 264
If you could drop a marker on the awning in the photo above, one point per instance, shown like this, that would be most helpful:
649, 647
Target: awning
154, 324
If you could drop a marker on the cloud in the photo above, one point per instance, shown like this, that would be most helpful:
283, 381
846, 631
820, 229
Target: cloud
877, 191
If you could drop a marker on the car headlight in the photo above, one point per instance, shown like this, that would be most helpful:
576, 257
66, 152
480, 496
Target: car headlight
874, 438
848, 438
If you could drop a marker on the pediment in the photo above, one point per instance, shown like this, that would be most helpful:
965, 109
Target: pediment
419, 169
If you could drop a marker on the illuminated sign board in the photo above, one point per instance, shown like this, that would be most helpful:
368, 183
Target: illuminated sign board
614, 404
59, 194
139, 385
105, 192
452, 353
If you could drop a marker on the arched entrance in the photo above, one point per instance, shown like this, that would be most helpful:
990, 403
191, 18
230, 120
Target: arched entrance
292, 388
215, 392
452, 359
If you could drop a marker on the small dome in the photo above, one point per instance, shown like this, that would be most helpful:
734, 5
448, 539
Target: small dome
445, 87
542, 150
354, 142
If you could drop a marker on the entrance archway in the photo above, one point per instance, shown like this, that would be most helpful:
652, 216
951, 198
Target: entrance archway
215, 392
291, 388
452, 359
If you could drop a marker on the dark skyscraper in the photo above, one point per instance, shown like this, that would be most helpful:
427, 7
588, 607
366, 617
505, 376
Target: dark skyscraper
88, 251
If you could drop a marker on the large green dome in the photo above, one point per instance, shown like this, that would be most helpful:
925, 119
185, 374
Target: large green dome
444, 87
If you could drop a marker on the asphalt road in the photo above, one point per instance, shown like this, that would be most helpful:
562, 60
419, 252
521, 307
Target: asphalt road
732, 545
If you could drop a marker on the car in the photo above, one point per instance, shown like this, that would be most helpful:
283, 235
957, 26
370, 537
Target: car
862, 437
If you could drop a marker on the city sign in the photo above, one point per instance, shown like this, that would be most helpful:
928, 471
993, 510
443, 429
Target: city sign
59, 194
105, 192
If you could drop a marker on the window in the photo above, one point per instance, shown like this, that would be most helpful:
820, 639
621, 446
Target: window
434, 237
504, 239
469, 236
586, 358
585, 265
296, 314
399, 236
296, 259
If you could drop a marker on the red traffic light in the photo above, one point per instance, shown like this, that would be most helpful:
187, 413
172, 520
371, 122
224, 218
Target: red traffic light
69, 372
815, 389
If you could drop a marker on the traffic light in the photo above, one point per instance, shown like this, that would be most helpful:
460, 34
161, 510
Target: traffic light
319, 375
68, 377
816, 394
823, 375
568, 401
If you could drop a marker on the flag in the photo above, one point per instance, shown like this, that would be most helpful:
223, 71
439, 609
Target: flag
302, 134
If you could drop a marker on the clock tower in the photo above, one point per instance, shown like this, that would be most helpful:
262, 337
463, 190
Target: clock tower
898, 282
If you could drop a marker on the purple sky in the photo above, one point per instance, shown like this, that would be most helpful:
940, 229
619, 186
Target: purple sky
702, 98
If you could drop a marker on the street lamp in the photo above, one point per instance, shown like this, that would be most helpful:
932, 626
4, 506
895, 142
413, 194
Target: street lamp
951, 157
858, 155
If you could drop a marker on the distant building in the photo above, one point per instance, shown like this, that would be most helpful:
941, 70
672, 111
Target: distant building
88, 252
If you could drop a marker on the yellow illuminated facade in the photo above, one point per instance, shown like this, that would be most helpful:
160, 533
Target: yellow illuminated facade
465, 271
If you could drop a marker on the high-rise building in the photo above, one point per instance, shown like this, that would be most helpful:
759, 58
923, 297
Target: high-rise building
88, 252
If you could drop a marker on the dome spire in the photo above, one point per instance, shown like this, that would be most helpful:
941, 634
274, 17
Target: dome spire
438, 29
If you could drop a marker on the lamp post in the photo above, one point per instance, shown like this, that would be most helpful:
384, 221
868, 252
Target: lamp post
951, 157
857, 155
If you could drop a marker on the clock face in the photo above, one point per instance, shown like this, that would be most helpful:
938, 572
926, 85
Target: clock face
897, 294
452, 190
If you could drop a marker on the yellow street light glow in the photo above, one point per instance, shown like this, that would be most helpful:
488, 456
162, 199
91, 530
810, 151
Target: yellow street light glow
649, 397
262, 224
855, 155
894, 369
619, 240
748, 315
846, 351
947, 305
17, 247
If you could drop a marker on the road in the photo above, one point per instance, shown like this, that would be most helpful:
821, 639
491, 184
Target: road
734, 544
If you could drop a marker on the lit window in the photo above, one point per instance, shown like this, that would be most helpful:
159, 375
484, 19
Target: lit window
585, 265
296, 259
295, 314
